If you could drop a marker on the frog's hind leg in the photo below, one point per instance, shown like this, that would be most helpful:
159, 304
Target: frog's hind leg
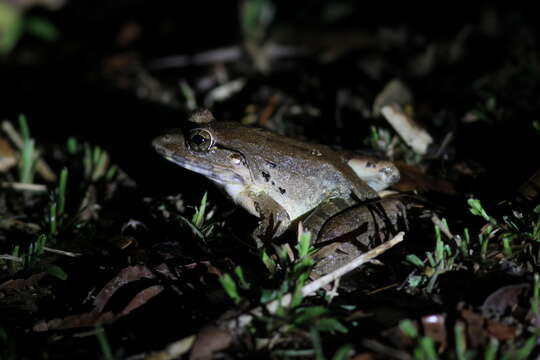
355, 230
318, 217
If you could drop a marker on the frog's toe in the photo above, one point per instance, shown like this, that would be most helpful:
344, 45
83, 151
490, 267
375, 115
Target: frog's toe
389, 175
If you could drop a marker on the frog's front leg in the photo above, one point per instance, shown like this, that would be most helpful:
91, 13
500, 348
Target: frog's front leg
327, 209
273, 218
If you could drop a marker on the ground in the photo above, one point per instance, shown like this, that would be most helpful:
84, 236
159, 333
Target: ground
109, 251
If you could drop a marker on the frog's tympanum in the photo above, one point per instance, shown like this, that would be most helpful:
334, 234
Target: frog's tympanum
275, 178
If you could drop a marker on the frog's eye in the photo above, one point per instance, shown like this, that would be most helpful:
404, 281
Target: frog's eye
200, 140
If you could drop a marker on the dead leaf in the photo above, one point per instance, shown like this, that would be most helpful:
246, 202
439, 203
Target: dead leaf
500, 331
412, 133
475, 328
7, 156
21, 284
142, 298
174, 350
395, 92
435, 328
89, 319
210, 340
414, 179
126, 275
365, 356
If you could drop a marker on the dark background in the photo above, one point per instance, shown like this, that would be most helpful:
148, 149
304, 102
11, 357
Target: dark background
62, 88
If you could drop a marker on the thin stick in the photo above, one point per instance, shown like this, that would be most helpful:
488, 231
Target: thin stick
362, 259
438, 223
41, 166
10, 257
61, 252
24, 187
409, 130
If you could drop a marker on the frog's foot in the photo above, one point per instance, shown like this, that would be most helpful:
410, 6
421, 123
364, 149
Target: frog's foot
274, 220
269, 228
378, 174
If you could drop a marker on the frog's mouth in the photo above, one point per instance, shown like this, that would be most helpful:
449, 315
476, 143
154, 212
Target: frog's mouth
217, 168
219, 174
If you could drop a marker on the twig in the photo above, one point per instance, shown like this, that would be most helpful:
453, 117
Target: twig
438, 223
24, 187
414, 135
10, 257
362, 259
61, 252
41, 166
222, 55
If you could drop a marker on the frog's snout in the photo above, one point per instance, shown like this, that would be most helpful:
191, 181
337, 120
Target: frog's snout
166, 143
158, 143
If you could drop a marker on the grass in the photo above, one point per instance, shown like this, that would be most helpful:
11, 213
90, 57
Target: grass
31, 257
14, 23
508, 234
104, 345
57, 204
29, 155
312, 320
200, 255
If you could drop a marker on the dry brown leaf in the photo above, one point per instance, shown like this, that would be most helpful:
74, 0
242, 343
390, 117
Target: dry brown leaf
89, 319
21, 284
7, 156
210, 340
126, 275
500, 331
475, 328
414, 179
142, 298
435, 328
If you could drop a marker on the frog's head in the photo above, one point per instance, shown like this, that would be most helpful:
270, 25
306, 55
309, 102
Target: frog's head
197, 147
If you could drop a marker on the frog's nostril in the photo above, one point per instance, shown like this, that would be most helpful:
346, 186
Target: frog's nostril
159, 141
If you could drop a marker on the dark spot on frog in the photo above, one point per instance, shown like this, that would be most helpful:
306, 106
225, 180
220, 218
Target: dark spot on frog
369, 164
271, 164
266, 176
281, 190
273, 183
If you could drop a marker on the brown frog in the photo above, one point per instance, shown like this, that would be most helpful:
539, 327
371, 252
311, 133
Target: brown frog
275, 178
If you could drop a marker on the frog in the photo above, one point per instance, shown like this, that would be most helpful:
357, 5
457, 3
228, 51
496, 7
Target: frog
281, 180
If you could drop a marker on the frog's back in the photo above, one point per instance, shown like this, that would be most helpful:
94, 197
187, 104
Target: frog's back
290, 170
